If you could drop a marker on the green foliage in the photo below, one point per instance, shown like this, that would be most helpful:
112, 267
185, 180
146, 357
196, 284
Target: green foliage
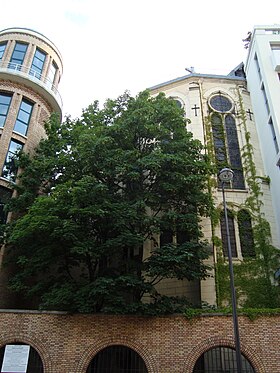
94, 192
251, 313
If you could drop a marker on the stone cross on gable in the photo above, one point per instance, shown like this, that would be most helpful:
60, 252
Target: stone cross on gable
250, 113
195, 108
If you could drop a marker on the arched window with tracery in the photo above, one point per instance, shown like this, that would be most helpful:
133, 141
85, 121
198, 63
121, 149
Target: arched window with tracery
117, 359
231, 233
234, 152
221, 360
246, 234
225, 138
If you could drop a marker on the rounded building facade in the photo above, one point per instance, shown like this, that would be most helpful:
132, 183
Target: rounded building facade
30, 71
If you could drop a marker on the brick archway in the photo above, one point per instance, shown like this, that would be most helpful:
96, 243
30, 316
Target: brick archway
212, 342
97, 347
33, 342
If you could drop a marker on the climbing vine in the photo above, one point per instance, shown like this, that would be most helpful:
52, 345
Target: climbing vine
254, 276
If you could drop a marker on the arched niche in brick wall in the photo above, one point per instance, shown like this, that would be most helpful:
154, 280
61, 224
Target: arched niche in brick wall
216, 342
16, 353
221, 359
10, 338
117, 359
149, 363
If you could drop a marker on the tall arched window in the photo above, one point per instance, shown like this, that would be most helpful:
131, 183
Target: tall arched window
221, 360
234, 152
225, 139
117, 359
219, 140
231, 233
246, 234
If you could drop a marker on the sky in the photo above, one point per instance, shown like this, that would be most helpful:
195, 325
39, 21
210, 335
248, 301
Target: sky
109, 46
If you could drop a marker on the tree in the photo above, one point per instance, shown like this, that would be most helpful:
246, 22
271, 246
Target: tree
94, 192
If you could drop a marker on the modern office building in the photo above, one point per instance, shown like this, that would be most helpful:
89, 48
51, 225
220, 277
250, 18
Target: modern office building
30, 71
263, 78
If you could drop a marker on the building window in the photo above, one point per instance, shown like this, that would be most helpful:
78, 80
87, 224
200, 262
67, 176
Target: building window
2, 49
18, 56
5, 100
178, 235
51, 75
221, 359
219, 140
258, 67
275, 50
10, 168
117, 359
234, 152
274, 136
5, 195
221, 103
23, 117
265, 99
246, 234
166, 237
225, 139
37, 64
231, 233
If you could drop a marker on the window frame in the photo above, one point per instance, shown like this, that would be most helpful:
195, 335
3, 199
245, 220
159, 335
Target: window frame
15, 62
2, 51
7, 106
224, 136
35, 69
11, 175
21, 112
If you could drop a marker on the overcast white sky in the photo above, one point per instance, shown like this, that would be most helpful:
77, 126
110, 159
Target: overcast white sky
109, 46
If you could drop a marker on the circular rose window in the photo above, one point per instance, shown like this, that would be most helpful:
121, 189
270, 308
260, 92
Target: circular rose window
220, 103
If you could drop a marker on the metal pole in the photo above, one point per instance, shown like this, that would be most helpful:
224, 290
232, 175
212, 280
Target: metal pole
232, 288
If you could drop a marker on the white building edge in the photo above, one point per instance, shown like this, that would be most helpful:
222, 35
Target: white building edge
262, 70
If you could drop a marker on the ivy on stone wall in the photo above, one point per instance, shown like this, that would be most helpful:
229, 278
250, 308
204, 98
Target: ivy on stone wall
254, 276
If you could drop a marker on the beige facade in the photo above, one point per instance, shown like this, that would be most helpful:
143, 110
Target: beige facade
193, 93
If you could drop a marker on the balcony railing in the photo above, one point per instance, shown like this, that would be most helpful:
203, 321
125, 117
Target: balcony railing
30, 74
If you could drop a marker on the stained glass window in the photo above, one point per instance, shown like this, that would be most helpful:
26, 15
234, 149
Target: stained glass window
225, 139
234, 152
246, 234
219, 140
220, 103
231, 233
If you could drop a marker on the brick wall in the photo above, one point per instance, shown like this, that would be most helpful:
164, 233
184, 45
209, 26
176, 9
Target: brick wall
171, 344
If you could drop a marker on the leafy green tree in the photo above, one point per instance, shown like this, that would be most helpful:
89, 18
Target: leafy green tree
94, 192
